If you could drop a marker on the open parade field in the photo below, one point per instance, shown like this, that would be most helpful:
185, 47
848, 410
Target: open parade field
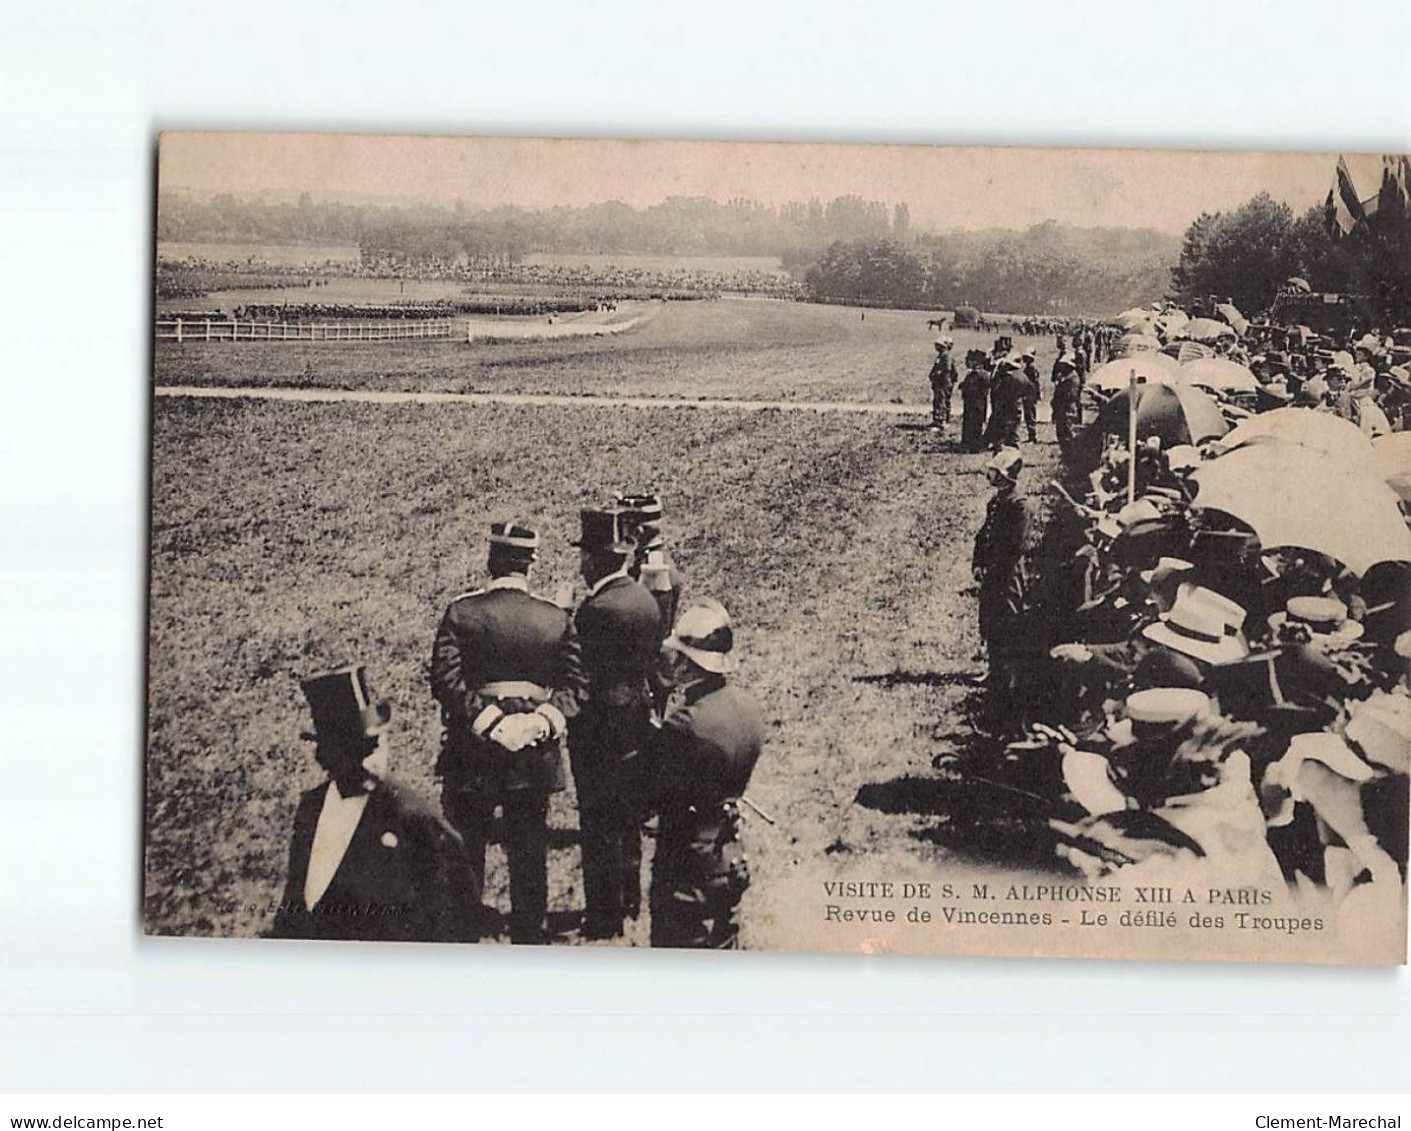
757, 349
289, 538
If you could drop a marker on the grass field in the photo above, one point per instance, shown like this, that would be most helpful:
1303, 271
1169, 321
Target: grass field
291, 538
749, 348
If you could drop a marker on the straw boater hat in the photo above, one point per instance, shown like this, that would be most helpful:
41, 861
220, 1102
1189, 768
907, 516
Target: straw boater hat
1381, 728
1166, 567
1325, 619
704, 634
1196, 628
1183, 457
1165, 706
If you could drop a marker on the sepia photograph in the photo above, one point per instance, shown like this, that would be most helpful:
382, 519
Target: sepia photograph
885, 549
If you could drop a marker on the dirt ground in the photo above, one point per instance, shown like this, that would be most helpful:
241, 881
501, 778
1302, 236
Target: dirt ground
288, 538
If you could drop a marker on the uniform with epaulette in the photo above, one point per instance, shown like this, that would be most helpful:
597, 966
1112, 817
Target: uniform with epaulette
699, 763
619, 632
505, 670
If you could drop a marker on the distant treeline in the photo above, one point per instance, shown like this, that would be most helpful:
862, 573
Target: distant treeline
1048, 268
428, 236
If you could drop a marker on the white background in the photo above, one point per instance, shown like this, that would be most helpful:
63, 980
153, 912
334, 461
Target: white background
86, 1003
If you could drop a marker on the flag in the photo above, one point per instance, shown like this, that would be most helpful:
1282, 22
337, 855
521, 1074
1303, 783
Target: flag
1343, 207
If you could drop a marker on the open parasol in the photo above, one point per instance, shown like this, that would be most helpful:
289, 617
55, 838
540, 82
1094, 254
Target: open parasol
1205, 330
1320, 432
1187, 351
1391, 459
1231, 314
1177, 413
1297, 497
1150, 367
1135, 319
1131, 345
1220, 373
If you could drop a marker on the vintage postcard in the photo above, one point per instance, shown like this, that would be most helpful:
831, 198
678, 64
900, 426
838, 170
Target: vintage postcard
844, 548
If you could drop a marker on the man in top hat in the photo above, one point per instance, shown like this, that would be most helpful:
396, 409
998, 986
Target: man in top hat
943, 377
1000, 565
1032, 392
699, 763
505, 671
1007, 393
369, 859
619, 629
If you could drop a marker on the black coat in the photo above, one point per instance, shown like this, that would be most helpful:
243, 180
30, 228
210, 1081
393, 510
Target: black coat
403, 877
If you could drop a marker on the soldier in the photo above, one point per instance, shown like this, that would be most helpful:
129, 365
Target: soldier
699, 762
504, 669
1001, 568
369, 859
1007, 393
974, 396
619, 630
1066, 392
1031, 395
943, 377
651, 564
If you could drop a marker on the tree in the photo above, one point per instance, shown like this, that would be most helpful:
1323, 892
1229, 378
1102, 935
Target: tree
1243, 256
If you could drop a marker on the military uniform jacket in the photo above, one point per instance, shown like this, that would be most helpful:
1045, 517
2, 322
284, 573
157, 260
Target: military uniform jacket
619, 631
943, 374
698, 763
1035, 383
403, 876
492, 635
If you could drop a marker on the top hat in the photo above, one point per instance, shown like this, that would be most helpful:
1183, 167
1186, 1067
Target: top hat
343, 705
603, 529
705, 635
515, 535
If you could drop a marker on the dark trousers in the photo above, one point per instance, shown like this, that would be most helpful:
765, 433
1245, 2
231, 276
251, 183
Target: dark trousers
1031, 419
526, 844
611, 839
940, 406
603, 749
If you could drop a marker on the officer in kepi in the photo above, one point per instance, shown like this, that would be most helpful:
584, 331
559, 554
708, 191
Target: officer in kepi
619, 631
652, 563
505, 671
369, 859
699, 763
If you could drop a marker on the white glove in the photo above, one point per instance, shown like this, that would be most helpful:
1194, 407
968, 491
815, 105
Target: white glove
515, 732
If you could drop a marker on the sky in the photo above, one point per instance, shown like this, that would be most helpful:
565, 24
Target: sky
944, 187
